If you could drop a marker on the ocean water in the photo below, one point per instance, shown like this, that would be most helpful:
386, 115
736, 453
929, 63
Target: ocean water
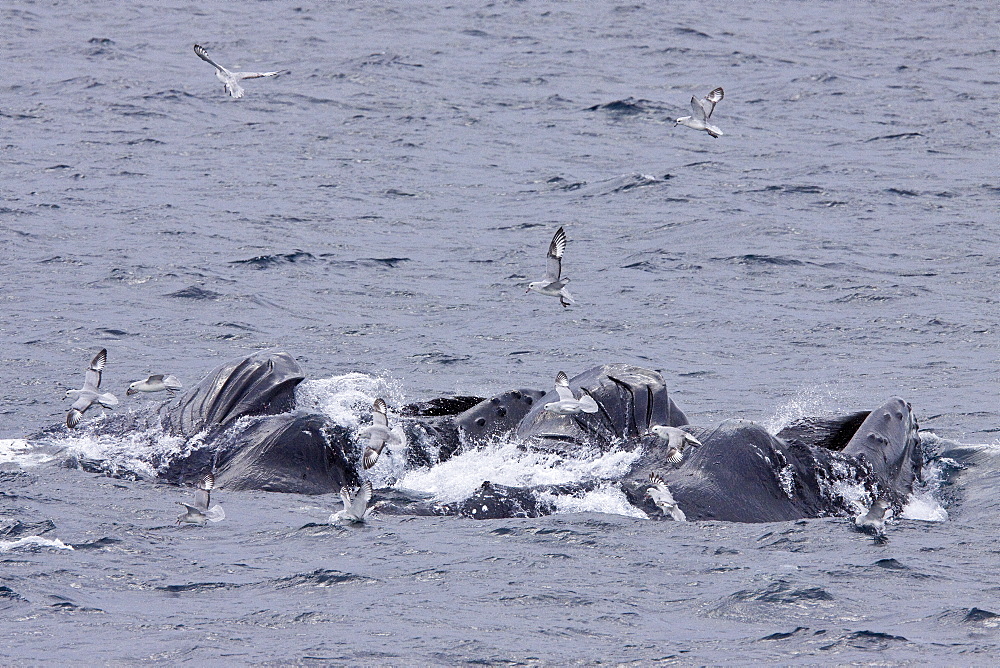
377, 211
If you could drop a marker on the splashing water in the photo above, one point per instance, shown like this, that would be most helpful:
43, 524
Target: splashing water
347, 399
607, 498
810, 402
505, 463
33, 541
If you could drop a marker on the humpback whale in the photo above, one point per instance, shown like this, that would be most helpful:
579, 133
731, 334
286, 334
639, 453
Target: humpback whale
243, 419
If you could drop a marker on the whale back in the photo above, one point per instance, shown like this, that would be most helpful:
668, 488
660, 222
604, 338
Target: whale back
292, 452
261, 384
630, 400
497, 416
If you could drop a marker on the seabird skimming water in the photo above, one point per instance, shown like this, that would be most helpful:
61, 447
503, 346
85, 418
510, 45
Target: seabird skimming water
663, 499
91, 393
200, 512
873, 522
356, 508
230, 79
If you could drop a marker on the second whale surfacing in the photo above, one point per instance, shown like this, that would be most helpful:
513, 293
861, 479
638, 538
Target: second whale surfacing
249, 431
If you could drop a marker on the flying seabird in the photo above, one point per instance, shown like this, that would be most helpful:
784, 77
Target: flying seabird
701, 111
568, 404
378, 435
155, 383
230, 79
199, 512
663, 499
553, 284
677, 440
91, 393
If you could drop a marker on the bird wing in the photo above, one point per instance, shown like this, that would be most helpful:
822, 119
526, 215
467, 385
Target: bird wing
655, 479
97, 364
371, 455
202, 497
203, 54
553, 264
361, 499
562, 387
378, 414
698, 109
208, 482
345, 496
254, 75
92, 379
155, 378
711, 100
82, 403
73, 418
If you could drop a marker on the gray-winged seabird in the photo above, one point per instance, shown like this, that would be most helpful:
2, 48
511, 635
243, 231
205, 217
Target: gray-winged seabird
568, 404
200, 512
554, 285
663, 499
155, 383
230, 79
873, 522
91, 393
378, 434
356, 508
701, 112
677, 440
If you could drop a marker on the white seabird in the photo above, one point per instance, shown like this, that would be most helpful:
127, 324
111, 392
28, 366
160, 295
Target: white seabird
677, 440
91, 393
230, 79
553, 284
701, 112
873, 522
568, 404
155, 383
356, 508
663, 499
200, 512
378, 434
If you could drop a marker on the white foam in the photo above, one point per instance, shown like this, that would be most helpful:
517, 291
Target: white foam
22, 452
505, 463
923, 503
607, 498
33, 541
141, 453
347, 400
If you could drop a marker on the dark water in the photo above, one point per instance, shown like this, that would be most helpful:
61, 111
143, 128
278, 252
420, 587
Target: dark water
379, 208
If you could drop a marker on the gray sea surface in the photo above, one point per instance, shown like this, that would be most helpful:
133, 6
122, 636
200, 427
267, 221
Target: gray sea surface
379, 208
